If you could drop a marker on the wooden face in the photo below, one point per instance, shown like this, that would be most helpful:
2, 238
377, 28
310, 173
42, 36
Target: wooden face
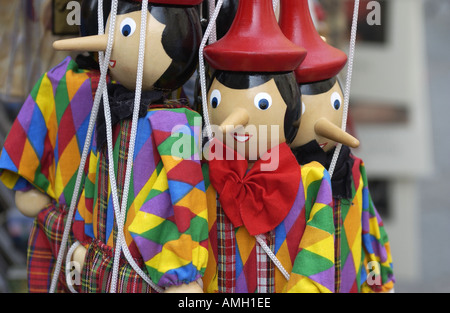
328, 105
250, 121
173, 36
124, 56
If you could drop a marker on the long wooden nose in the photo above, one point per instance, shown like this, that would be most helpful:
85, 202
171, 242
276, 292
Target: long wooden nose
239, 116
325, 128
87, 43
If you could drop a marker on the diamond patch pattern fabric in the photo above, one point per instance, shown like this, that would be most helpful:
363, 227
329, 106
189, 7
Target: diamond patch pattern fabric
43, 150
363, 259
379, 275
44, 145
303, 242
166, 222
166, 226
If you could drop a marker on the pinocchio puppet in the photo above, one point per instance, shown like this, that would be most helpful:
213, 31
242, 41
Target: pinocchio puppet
360, 234
260, 201
165, 227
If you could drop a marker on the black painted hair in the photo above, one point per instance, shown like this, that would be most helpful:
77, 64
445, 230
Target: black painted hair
319, 87
286, 84
89, 18
226, 15
181, 39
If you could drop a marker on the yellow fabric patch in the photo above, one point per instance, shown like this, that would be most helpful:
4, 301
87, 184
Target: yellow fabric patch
144, 222
321, 247
299, 283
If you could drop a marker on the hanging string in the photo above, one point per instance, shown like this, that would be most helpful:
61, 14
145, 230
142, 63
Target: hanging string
208, 31
108, 123
275, 4
213, 35
263, 244
207, 35
347, 85
121, 245
99, 92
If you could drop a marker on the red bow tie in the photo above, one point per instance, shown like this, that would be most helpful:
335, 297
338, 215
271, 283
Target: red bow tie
260, 199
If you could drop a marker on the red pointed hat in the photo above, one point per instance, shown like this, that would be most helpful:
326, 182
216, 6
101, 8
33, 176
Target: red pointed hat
254, 43
322, 61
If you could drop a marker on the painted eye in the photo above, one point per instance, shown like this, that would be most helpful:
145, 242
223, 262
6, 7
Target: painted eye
263, 101
215, 98
127, 27
336, 101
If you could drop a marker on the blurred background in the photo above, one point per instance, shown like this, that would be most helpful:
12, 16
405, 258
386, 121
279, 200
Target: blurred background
398, 109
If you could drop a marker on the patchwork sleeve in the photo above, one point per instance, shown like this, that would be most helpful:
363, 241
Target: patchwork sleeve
171, 227
377, 260
313, 268
27, 157
38, 152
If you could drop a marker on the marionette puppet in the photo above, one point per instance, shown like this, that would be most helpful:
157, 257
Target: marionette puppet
271, 226
34, 165
163, 230
360, 234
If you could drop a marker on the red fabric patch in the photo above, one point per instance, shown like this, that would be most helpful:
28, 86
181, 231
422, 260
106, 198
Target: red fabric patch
183, 217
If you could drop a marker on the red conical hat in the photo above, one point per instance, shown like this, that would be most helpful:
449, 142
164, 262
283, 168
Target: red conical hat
322, 61
254, 43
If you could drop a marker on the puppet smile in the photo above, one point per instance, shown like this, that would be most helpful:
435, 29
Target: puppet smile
241, 138
322, 145
112, 63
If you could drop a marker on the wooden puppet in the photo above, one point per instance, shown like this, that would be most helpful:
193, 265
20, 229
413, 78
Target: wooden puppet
38, 193
165, 227
360, 235
256, 194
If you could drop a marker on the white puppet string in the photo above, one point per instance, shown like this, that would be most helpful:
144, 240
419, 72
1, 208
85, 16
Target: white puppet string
265, 247
208, 31
87, 144
207, 35
347, 85
213, 35
108, 124
210, 28
121, 245
275, 4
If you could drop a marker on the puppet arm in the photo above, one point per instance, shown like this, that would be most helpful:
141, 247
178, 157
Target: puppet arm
313, 268
193, 287
28, 154
31, 202
377, 254
78, 255
171, 227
